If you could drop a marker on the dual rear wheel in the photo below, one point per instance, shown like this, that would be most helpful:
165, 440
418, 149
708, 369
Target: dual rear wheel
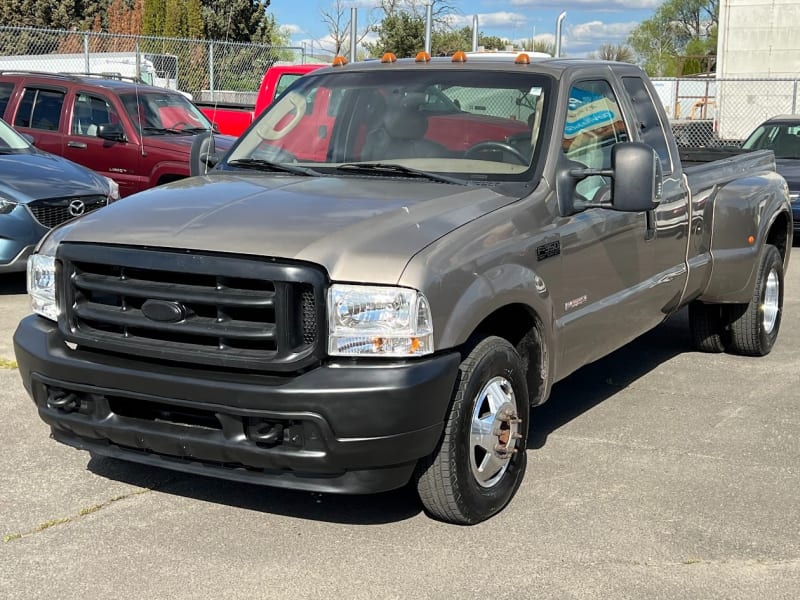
748, 329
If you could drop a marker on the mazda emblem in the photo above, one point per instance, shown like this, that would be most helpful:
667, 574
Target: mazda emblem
164, 311
76, 208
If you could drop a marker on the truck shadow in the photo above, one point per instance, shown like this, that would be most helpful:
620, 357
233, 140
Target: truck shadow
571, 398
375, 509
12, 284
600, 380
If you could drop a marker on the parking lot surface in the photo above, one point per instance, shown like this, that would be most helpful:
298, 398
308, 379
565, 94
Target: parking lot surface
657, 472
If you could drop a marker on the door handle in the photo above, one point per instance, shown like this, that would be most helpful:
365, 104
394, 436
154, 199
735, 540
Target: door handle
80, 145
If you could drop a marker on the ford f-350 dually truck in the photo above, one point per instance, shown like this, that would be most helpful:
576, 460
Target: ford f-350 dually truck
345, 304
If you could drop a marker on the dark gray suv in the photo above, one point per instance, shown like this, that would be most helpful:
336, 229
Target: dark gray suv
38, 191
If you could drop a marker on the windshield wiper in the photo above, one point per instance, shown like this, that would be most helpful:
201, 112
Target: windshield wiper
395, 169
265, 165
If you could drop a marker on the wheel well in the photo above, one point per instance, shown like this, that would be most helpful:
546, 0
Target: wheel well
778, 234
170, 178
521, 326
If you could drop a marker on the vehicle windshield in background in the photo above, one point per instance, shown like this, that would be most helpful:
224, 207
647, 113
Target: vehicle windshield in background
782, 138
158, 113
473, 125
11, 141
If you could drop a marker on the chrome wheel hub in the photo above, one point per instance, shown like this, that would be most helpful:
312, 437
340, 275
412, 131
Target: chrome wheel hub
771, 305
494, 432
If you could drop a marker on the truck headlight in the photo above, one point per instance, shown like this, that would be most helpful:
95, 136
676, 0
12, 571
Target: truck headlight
378, 321
42, 285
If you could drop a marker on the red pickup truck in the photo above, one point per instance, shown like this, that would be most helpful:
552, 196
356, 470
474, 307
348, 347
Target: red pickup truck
138, 135
233, 119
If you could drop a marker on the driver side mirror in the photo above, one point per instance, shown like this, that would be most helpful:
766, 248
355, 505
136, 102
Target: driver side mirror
636, 181
112, 132
202, 155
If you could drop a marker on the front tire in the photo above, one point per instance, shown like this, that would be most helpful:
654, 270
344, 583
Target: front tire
754, 326
481, 459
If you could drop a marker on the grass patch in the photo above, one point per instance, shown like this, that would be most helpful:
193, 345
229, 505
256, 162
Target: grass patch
52, 523
90, 510
8, 364
11, 537
692, 561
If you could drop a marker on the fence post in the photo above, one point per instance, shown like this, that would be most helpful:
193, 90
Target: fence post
794, 98
211, 68
86, 52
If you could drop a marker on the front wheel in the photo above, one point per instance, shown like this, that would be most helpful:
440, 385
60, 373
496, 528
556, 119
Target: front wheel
481, 458
754, 326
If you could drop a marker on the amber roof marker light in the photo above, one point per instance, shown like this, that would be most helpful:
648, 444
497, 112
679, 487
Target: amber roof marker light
339, 61
522, 59
460, 57
388, 57
423, 57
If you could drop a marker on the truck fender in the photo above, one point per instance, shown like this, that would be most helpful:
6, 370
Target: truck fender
171, 170
521, 293
744, 212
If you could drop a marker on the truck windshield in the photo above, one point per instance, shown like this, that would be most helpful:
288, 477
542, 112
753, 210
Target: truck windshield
161, 113
470, 124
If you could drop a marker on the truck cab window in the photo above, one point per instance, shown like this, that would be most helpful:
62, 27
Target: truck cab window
40, 109
5, 96
91, 112
594, 124
650, 127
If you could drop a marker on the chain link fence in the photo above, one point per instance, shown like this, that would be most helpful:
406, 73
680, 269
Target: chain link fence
224, 72
704, 111
711, 112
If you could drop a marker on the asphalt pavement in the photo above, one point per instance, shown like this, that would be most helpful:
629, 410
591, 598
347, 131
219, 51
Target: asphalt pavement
657, 472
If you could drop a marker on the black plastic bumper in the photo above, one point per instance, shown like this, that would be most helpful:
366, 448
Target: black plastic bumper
338, 428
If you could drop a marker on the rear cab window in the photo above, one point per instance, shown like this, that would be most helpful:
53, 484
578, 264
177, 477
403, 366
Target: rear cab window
6, 89
651, 130
40, 108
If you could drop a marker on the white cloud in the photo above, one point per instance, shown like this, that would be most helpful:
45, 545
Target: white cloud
583, 38
595, 5
495, 19
292, 29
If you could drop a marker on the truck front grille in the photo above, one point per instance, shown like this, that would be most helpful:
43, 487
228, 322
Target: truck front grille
228, 312
55, 211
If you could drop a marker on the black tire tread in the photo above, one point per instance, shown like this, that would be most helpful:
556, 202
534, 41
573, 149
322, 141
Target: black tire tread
437, 474
746, 321
434, 485
706, 324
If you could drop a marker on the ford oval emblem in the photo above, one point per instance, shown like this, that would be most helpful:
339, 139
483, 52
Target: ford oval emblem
164, 311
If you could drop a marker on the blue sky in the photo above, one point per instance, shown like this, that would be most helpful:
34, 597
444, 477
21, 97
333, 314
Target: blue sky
588, 24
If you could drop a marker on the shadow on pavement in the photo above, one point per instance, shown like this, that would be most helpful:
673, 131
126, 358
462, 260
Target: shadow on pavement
598, 381
12, 284
388, 507
570, 398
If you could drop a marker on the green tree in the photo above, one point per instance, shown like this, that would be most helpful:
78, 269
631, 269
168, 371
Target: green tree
402, 33
175, 19
615, 52
677, 30
238, 20
153, 15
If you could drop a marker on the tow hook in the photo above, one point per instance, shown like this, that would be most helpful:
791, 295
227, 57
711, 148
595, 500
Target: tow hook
64, 401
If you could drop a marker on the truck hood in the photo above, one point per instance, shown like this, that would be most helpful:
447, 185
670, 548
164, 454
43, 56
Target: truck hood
359, 229
181, 143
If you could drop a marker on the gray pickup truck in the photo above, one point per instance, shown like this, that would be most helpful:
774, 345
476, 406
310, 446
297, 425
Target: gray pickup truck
388, 269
